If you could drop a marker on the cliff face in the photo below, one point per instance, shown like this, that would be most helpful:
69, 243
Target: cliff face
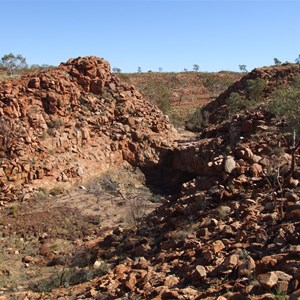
73, 122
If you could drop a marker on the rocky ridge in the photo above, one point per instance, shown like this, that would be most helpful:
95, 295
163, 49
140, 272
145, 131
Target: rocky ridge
272, 77
72, 122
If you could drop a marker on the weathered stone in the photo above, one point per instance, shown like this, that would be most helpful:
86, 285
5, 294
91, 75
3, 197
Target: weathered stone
217, 246
246, 267
131, 281
256, 170
97, 264
201, 271
231, 261
268, 280
229, 164
293, 197
171, 281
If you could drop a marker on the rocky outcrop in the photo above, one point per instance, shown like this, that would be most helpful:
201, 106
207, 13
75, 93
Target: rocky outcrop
73, 122
273, 77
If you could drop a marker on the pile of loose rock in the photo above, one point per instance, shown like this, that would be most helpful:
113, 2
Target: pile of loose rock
73, 122
232, 233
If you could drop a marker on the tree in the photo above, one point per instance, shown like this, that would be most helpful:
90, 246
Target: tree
277, 62
13, 62
297, 60
243, 68
139, 70
160, 69
196, 68
116, 70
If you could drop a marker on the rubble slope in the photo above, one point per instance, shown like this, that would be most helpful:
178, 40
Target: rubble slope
231, 233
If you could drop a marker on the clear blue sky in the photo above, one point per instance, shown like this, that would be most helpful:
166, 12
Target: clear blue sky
171, 34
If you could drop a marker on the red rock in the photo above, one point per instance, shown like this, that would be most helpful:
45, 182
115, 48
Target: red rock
295, 295
120, 270
131, 281
256, 170
217, 246
246, 267
268, 280
171, 281
231, 261
293, 197
201, 271
267, 263
293, 215
283, 276
141, 250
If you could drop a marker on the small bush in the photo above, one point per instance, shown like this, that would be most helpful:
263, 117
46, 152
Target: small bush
159, 93
176, 119
216, 84
109, 185
285, 102
68, 277
56, 191
197, 120
235, 103
255, 89
155, 199
55, 123
41, 194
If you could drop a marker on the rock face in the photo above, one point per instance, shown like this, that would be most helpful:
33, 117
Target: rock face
72, 122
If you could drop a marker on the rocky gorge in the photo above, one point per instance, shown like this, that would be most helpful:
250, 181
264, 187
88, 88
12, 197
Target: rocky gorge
229, 230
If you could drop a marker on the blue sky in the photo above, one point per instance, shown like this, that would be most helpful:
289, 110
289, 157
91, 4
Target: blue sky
171, 34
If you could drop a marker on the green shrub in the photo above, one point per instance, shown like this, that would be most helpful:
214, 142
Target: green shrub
255, 88
56, 191
235, 103
176, 119
197, 120
159, 93
285, 102
55, 123
216, 84
68, 277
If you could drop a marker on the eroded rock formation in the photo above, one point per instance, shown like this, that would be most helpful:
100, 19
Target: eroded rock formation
73, 122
